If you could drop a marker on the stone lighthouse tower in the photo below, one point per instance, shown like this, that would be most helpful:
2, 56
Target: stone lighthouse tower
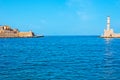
108, 32
108, 23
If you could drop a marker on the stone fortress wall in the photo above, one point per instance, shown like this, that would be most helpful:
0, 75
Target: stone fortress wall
6, 31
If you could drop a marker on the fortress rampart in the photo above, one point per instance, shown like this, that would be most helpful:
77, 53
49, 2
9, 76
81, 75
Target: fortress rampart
6, 31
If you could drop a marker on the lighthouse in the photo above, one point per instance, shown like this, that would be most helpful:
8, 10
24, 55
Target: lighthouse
108, 23
108, 32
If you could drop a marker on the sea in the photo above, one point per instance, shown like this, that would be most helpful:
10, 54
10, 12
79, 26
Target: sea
60, 58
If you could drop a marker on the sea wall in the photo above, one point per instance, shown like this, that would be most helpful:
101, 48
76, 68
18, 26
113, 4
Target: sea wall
8, 35
116, 35
25, 34
6, 31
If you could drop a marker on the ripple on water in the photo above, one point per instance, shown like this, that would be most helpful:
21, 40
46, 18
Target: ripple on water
63, 58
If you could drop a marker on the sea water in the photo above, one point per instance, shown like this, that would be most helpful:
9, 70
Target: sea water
60, 58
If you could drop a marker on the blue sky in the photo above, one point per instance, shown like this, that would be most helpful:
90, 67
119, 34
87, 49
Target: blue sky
60, 17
